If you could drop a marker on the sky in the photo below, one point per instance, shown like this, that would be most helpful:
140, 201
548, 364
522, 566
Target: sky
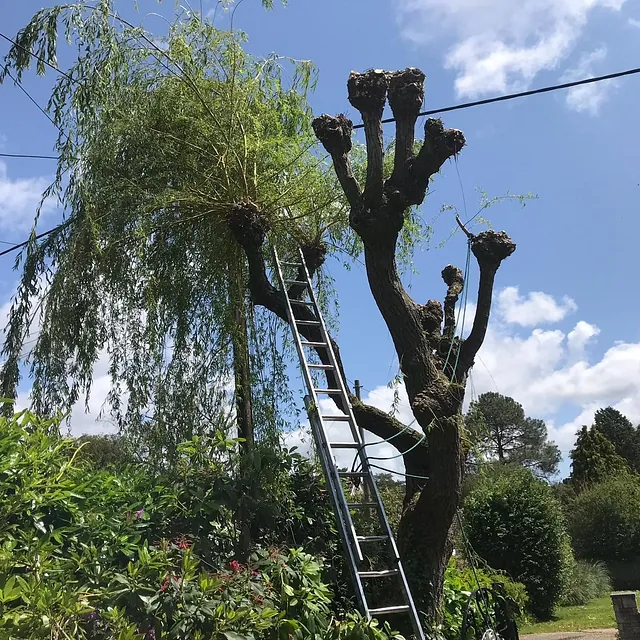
563, 338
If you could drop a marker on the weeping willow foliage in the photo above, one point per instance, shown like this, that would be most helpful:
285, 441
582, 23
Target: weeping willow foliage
158, 137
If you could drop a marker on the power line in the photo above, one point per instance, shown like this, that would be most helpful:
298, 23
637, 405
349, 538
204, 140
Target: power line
522, 94
38, 237
25, 155
36, 56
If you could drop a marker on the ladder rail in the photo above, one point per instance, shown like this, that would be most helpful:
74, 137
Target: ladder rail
346, 527
310, 383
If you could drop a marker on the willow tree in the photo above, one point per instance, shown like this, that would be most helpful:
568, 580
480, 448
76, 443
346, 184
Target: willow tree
434, 362
159, 136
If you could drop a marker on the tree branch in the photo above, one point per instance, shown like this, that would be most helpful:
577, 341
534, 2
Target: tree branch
368, 94
335, 136
249, 228
406, 94
490, 248
439, 145
454, 280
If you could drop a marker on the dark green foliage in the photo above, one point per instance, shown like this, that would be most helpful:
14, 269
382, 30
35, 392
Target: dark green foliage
515, 524
586, 581
100, 555
594, 459
605, 522
460, 582
499, 431
105, 451
619, 431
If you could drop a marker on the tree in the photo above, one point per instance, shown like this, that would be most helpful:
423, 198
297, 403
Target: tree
515, 523
158, 137
619, 431
434, 362
594, 459
500, 431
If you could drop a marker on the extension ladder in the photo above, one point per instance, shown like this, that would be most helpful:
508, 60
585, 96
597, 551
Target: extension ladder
306, 313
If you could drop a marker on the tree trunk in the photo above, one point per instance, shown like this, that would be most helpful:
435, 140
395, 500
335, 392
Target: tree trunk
241, 358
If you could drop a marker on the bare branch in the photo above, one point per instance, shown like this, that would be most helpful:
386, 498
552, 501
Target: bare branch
490, 248
368, 94
406, 94
335, 136
439, 145
454, 280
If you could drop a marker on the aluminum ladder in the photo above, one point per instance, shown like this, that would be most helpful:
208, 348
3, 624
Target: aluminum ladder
353, 543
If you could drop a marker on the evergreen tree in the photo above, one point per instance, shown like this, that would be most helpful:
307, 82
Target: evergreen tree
500, 431
594, 459
619, 431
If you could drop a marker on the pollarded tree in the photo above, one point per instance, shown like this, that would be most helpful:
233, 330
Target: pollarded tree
501, 431
434, 362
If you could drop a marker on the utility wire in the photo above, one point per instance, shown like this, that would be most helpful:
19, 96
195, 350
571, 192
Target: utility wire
521, 94
36, 56
25, 155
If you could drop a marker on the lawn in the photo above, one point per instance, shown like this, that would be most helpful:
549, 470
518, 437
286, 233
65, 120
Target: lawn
597, 614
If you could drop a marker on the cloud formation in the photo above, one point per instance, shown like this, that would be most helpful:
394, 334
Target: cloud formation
19, 199
499, 46
588, 98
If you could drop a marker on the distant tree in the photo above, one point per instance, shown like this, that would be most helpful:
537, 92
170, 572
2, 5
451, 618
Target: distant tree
500, 431
594, 459
619, 431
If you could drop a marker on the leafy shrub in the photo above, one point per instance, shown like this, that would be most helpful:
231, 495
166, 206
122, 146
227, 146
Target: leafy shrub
106, 555
515, 523
460, 581
605, 526
586, 581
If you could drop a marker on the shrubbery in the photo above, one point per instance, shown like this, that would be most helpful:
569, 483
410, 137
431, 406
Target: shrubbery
605, 526
101, 555
585, 582
516, 524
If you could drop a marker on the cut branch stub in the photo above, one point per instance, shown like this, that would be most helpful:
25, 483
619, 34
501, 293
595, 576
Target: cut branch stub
368, 91
454, 280
314, 255
406, 93
334, 133
248, 224
492, 247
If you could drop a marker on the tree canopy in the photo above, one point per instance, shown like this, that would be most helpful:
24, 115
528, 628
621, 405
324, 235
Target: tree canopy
621, 433
499, 430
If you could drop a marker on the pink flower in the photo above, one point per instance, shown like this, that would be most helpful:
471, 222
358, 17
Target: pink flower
235, 566
139, 514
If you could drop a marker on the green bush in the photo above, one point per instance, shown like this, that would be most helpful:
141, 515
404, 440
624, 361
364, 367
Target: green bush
126, 555
460, 581
515, 523
605, 520
586, 581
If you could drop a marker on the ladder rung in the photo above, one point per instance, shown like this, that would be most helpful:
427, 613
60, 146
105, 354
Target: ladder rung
306, 302
336, 418
308, 323
325, 367
402, 608
307, 343
296, 282
361, 505
353, 474
291, 264
378, 574
344, 445
331, 391
372, 539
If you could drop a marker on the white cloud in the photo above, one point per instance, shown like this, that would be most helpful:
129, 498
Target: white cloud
19, 198
587, 97
634, 23
537, 308
500, 46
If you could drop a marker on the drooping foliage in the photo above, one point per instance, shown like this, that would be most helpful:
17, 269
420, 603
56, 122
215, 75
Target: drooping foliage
515, 523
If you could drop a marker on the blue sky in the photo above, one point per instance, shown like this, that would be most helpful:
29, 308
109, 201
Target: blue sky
564, 338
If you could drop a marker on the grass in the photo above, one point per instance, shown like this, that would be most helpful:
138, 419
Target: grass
597, 614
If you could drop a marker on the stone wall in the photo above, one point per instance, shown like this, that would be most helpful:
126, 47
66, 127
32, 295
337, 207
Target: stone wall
627, 617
